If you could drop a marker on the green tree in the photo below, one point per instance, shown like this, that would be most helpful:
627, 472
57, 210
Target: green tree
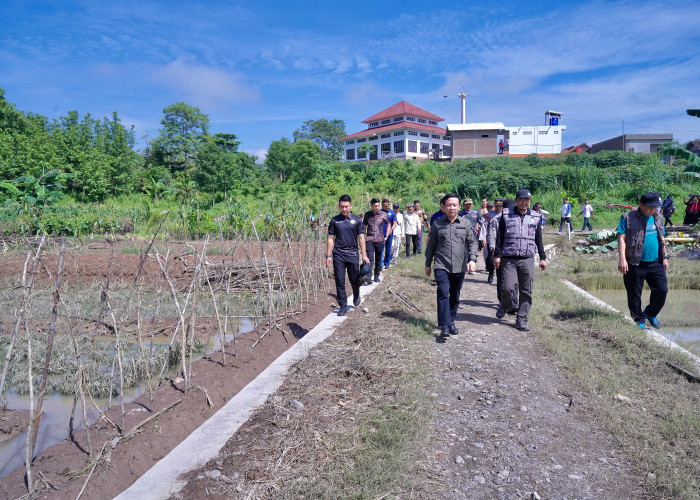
325, 133
305, 156
278, 161
220, 167
183, 132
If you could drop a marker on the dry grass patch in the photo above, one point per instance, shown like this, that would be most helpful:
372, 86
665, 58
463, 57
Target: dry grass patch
659, 426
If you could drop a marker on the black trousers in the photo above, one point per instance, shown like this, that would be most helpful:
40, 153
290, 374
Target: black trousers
514, 291
655, 276
341, 265
411, 238
375, 249
449, 286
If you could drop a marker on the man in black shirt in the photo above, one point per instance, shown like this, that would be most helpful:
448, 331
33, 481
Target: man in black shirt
345, 232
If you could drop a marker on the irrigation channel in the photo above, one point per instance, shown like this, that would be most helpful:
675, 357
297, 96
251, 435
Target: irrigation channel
680, 315
82, 330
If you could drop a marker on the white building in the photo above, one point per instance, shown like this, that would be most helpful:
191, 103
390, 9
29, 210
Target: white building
400, 131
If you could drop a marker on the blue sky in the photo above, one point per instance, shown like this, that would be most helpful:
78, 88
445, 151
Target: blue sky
259, 69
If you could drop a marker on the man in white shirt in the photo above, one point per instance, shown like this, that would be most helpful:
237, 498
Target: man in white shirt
398, 235
587, 212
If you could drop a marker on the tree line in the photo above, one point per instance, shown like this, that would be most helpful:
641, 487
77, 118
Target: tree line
96, 159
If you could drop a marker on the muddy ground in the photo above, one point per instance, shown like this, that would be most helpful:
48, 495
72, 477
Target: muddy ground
61, 470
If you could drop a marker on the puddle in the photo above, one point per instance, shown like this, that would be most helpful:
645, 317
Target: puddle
57, 410
680, 315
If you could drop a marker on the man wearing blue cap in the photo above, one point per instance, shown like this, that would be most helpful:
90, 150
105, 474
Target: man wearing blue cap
643, 257
345, 233
518, 239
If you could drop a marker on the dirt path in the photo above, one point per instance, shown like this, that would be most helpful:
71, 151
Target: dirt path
508, 424
512, 425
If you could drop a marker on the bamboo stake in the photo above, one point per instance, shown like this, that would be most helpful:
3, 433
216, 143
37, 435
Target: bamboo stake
27, 284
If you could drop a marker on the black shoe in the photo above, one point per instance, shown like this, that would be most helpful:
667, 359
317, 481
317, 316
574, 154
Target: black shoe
356, 300
512, 310
453, 329
501, 312
522, 326
342, 311
490, 278
444, 331
376, 279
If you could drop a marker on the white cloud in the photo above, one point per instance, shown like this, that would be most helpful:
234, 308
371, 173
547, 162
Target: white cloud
206, 85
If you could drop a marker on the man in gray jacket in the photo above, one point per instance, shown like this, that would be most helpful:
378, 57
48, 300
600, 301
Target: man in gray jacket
452, 249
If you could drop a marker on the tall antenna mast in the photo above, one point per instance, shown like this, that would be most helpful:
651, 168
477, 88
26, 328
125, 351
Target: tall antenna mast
463, 97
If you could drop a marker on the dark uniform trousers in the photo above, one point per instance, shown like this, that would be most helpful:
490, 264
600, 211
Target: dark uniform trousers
517, 272
449, 286
341, 264
374, 254
653, 273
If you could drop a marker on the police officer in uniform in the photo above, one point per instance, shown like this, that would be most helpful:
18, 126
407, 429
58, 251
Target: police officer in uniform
518, 239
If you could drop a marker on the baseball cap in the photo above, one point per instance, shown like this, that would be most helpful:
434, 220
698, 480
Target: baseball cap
396, 205
365, 269
523, 193
651, 199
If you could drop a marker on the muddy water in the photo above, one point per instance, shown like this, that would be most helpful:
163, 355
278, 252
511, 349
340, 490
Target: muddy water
57, 410
680, 315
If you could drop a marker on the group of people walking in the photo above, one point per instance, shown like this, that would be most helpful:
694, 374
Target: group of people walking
586, 212
510, 234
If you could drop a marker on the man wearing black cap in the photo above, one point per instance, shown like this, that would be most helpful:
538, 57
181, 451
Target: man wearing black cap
345, 232
485, 232
643, 257
518, 238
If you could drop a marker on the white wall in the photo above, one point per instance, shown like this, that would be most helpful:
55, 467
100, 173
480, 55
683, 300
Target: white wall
547, 142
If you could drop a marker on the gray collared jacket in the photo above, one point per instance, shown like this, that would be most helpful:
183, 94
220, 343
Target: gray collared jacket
451, 245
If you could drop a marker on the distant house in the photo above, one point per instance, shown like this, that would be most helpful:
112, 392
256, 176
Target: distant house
581, 148
475, 140
400, 131
636, 143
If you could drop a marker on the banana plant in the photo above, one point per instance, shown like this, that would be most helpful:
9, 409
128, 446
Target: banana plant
693, 169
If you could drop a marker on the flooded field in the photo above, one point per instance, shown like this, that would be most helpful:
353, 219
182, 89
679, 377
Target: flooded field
680, 316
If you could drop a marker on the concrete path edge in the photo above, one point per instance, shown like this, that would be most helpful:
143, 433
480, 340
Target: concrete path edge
163, 479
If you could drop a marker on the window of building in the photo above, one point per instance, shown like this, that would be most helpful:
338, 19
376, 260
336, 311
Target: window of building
384, 136
446, 151
350, 154
436, 147
412, 146
363, 139
398, 146
435, 136
361, 154
398, 119
349, 142
373, 124
373, 155
432, 122
556, 132
421, 120
484, 135
410, 119
424, 148
386, 122
398, 133
514, 133
411, 132
527, 132
543, 132
446, 137
424, 135
386, 148
373, 138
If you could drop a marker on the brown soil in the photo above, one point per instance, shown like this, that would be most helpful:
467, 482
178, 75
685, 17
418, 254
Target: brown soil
12, 423
61, 470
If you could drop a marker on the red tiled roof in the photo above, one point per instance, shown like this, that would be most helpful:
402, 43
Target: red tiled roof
581, 148
395, 126
403, 108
